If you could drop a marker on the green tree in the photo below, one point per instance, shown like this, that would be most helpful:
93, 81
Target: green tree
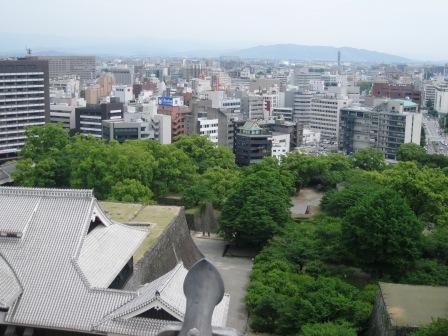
42, 141
369, 159
438, 327
342, 328
204, 153
175, 170
427, 272
425, 189
257, 209
130, 190
411, 152
44, 163
214, 186
382, 233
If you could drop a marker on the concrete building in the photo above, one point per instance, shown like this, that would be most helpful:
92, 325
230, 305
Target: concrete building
441, 97
81, 66
280, 126
280, 144
303, 76
310, 137
285, 113
89, 119
252, 106
428, 93
209, 128
384, 127
122, 76
68, 87
174, 107
63, 114
302, 106
252, 143
325, 113
24, 102
123, 92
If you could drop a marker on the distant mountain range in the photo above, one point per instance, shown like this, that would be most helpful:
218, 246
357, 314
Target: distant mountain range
322, 53
15, 44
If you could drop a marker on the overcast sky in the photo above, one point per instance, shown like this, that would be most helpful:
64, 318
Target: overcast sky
411, 28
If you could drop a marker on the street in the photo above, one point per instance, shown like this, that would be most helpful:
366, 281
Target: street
436, 139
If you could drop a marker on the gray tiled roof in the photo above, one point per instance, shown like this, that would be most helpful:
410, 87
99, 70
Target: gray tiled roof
106, 250
49, 276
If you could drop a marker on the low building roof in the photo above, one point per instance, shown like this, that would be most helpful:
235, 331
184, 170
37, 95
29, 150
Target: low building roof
414, 306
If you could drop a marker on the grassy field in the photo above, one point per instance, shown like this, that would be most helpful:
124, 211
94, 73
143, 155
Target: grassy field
155, 216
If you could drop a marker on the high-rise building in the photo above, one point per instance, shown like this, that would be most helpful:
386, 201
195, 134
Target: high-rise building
82, 66
24, 101
384, 127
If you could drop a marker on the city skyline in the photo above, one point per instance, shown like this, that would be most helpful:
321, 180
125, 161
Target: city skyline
237, 25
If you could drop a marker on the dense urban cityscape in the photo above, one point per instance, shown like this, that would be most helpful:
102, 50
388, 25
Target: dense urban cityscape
275, 189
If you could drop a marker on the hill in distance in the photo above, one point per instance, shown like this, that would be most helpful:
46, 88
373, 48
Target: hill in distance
321, 53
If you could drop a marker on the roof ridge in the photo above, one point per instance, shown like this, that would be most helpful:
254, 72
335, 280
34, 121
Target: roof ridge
179, 265
46, 192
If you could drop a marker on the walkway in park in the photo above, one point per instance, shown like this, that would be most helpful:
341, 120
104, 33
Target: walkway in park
235, 272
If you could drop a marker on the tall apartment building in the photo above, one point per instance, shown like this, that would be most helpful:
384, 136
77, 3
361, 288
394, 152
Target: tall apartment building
89, 119
384, 127
325, 113
24, 101
82, 66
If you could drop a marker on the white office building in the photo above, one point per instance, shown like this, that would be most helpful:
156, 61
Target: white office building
324, 116
123, 92
209, 128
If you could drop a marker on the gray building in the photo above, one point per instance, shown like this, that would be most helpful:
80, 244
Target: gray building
89, 119
24, 101
122, 76
81, 66
225, 117
384, 127
65, 268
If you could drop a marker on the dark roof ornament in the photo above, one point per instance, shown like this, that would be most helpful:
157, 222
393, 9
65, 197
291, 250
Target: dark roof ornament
204, 289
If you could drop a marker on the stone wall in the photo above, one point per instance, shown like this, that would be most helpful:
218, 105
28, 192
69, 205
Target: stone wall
173, 245
379, 322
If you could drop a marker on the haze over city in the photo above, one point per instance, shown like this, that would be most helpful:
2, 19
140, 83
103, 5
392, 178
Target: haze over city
412, 28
